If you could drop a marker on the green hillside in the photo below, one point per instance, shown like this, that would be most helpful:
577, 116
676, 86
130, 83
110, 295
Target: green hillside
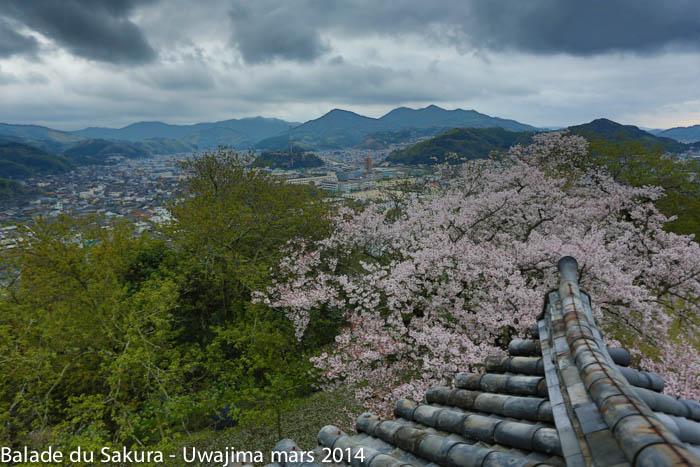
467, 143
10, 189
165, 146
434, 116
19, 161
687, 134
281, 160
336, 129
384, 139
240, 134
604, 129
95, 151
48, 139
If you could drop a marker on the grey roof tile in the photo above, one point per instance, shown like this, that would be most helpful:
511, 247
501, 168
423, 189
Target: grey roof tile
561, 398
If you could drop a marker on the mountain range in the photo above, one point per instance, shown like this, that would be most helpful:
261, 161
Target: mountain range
686, 134
341, 128
240, 134
465, 143
474, 143
336, 129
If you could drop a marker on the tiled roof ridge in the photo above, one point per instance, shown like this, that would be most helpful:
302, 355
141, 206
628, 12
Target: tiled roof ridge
629, 418
562, 398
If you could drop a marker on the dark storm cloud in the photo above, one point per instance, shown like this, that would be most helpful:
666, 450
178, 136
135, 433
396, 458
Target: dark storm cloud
266, 30
97, 30
13, 43
584, 27
265, 34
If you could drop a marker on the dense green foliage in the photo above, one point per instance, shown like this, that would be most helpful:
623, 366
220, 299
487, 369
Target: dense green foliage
465, 143
107, 335
18, 161
638, 163
282, 160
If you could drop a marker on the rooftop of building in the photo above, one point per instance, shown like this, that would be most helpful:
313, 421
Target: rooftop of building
560, 398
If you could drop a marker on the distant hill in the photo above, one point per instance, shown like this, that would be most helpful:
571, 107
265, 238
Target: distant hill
603, 128
153, 146
471, 143
18, 161
10, 189
281, 160
384, 139
341, 128
434, 116
685, 134
240, 134
41, 137
95, 151
84, 150
336, 129
467, 143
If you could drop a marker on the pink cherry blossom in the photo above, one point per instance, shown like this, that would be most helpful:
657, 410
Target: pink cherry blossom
433, 285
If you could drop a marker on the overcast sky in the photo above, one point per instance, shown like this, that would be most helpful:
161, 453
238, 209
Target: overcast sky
75, 63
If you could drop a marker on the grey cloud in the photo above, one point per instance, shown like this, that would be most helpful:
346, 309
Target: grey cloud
96, 30
264, 32
292, 30
187, 74
7, 78
337, 60
584, 28
14, 43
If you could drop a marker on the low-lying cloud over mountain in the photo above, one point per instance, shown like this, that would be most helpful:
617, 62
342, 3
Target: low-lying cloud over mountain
77, 63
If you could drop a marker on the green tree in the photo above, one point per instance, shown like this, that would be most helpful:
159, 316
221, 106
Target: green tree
84, 349
108, 335
228, 233
639, 164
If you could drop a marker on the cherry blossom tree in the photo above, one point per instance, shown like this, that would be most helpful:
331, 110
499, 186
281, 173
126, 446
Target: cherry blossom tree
432, 286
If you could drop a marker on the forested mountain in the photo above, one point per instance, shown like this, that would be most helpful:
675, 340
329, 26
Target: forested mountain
686, 134
466, 143
340, 128
94, 151
336, 129
384, 139
241, 134
10, 189
27, 150
48, 139
603, 128
434, 116
281, 160
19, 160
471, 143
